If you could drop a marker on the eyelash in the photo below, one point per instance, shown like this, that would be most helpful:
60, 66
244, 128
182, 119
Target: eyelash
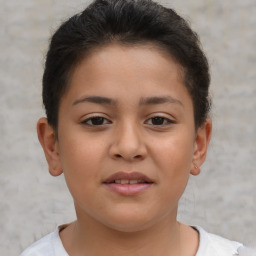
166, 121
86, 121
100, 119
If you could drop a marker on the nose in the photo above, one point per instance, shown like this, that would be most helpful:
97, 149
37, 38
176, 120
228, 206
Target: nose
128, 144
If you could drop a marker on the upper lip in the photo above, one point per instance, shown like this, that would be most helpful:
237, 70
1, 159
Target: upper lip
127, 176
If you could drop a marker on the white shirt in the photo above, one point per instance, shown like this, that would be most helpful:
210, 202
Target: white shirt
209, 245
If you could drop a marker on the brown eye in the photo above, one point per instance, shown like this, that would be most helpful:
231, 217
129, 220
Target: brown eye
96, 121
158, 120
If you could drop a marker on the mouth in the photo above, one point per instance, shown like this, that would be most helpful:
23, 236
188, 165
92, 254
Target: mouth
128, 178
128, 184
131, 182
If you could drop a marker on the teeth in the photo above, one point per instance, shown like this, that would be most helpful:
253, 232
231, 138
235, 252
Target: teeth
123, 182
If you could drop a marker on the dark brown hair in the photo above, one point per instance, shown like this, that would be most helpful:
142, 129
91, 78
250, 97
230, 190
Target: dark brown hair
125, 22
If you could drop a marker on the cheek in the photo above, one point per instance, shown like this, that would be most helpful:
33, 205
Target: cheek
176, 151
80, 152
81, 161
174, 162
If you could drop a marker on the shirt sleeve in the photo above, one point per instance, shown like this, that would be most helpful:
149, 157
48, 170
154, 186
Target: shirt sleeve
50, 245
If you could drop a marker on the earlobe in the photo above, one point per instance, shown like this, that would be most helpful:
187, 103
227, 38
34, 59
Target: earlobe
47, 137
202, 141
195, 170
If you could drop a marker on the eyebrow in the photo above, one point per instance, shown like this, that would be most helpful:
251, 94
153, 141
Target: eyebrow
143, 101
159, 100
96, 99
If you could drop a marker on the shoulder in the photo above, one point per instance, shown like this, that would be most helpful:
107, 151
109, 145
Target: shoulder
40, 247
49, 245
212, 245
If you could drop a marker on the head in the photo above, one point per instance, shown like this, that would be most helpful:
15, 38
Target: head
126, 95
129, 23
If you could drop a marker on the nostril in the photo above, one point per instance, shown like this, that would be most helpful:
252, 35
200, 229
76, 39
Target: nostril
135, 157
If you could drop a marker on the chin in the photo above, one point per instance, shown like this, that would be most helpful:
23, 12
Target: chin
129, 227
133, 222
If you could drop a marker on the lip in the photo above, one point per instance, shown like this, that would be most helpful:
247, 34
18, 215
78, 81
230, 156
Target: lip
128, 189
128, 176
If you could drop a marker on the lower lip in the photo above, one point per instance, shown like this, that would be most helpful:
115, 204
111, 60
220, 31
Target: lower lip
128, 189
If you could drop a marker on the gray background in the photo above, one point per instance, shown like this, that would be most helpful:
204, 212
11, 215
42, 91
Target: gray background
221, 199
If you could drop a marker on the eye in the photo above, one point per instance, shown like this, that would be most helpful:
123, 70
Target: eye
158, 120
96, 121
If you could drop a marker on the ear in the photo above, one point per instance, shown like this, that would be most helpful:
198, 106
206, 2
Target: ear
202, 140
48, 139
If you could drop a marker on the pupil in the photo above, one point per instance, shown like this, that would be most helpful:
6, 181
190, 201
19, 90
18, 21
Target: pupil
157, 120
97, 120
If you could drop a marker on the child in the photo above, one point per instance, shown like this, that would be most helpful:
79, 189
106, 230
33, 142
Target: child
125, 89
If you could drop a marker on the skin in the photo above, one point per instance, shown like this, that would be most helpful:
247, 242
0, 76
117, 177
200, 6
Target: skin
128, 139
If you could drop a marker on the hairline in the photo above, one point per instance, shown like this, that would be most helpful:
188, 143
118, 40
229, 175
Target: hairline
146, 43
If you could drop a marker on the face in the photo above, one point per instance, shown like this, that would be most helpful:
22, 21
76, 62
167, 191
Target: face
126, 137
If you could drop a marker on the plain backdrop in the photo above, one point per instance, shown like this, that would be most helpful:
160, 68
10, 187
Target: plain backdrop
221, 199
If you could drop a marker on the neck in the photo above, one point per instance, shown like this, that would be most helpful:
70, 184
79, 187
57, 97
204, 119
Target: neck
163, 238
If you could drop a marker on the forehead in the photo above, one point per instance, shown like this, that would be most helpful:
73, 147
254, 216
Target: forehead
120, 68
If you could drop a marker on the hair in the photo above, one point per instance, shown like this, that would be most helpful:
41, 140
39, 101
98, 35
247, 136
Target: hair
127, 22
